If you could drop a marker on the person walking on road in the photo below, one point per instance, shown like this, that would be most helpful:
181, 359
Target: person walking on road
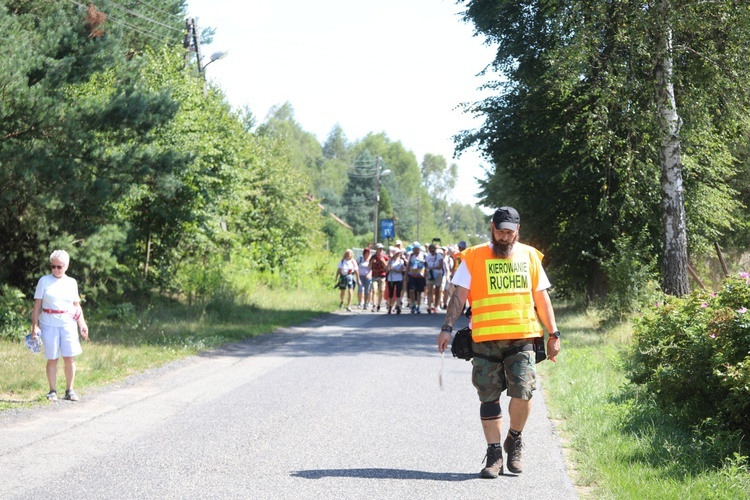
365, 279
379, 266
435, 273
448, 270
507, 289
57, 316
348, 272
396, 271
416, 277
456, 254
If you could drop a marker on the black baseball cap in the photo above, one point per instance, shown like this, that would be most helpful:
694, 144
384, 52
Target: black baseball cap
506, 218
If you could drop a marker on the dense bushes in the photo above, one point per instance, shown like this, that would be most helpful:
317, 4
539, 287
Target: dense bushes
693, 355
14, 322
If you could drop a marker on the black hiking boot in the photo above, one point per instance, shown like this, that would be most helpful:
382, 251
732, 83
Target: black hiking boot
494, 467
514, 447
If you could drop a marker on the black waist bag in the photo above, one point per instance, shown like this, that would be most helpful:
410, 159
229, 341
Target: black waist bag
461, 346
462, 349
541, 354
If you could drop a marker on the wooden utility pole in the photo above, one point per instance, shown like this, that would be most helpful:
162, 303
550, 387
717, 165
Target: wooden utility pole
377, 199
192, 43
419, 217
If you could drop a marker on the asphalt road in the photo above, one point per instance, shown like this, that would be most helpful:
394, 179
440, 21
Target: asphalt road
347, 406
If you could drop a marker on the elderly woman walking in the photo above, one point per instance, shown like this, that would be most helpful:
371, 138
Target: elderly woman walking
348, 272
56, 317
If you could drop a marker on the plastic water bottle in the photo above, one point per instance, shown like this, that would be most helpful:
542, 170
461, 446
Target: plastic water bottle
441, 373
34, 345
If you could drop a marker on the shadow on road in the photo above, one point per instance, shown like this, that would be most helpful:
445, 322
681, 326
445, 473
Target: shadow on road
381, 335
376, 473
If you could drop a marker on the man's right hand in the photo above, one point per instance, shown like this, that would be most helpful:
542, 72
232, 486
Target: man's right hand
443, 339
553, 349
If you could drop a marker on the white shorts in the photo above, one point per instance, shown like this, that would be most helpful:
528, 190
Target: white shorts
437, 279
60, 340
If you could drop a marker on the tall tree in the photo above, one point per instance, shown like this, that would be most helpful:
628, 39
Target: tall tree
439, 179
330, 181
403, 184
336, 146
575, 133
115, 153
675, 279
359, 195
76, 132
307, 153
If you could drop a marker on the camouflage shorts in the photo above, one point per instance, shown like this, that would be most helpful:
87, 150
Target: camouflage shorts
517, 373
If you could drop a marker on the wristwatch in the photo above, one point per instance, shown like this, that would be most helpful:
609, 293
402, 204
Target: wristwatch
555, 334
447, 329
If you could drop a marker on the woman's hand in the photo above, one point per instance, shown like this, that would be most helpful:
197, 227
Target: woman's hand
35, 330
84, 329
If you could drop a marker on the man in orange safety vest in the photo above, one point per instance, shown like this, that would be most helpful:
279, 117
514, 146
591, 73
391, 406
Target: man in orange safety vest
507, 290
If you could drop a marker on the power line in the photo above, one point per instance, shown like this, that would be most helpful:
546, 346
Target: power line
136, 14
149, 34
369, 165
141, 30
157, 9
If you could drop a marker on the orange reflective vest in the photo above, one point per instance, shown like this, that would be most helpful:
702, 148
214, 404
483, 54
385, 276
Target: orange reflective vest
501, 293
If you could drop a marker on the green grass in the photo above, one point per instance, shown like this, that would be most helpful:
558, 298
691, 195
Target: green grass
127, 342
621, 446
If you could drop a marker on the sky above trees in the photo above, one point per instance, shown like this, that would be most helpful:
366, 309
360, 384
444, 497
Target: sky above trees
396, 67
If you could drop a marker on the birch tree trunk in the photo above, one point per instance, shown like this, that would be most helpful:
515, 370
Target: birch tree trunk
675, 276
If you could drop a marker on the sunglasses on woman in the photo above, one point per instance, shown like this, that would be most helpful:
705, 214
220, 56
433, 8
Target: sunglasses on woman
56, 267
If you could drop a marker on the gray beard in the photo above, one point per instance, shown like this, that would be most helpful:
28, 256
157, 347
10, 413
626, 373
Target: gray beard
503, 250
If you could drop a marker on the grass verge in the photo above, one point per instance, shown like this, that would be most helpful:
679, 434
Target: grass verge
126, 341
620, 445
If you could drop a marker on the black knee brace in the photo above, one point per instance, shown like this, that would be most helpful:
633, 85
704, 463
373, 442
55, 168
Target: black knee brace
490, 411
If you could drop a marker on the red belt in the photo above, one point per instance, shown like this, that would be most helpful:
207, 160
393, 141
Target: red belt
53, 311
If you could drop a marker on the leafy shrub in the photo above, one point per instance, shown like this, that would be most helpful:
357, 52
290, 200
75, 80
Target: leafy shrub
631, 279
338, 238
15, 317
120, 312
693, 355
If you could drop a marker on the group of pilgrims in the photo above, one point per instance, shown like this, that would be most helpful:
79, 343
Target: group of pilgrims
396, 277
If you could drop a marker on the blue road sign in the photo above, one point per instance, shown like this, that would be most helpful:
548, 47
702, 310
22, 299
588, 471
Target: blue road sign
387, 229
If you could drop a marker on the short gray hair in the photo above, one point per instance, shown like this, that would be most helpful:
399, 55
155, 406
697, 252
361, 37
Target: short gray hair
60, 255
